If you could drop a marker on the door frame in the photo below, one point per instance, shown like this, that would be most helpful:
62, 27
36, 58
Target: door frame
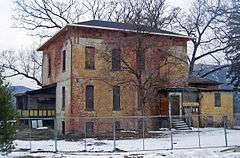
180, 102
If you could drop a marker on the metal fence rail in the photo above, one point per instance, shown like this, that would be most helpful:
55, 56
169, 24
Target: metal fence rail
129, 133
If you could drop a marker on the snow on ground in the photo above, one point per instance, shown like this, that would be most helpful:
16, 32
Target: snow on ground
209, 137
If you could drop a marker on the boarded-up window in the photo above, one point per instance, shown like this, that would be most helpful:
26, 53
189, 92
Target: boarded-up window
217, 98
210, 121
116, 62
63, 98
49, 66
89, 129
140, 60
116, 98
64, 61
90, 58
90, 98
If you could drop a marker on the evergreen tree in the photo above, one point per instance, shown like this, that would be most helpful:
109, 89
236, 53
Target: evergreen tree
7, 119
233, 53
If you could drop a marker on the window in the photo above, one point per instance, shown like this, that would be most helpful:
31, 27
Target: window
210, 121
89, 58
63, 127
89, 98
116, 98
191, 97
49, 66
116, 62
117, 126
64, 61
217, 98
89, 129
141, 61
63, 98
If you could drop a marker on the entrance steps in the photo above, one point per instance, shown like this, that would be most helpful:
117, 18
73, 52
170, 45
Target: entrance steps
180, 124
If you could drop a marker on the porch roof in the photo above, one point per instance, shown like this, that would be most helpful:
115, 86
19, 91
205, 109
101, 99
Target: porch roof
179, 89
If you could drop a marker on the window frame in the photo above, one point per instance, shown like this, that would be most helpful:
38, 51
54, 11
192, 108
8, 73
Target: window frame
116, 98
64, 61
217, 99
63, 98
89, 124
90, 60
89, 106
116, 59
49, 66
140, 61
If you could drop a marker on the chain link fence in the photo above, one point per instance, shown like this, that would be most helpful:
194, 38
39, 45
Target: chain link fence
128, 133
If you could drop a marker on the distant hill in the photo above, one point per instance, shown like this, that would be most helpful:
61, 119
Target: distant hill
219, 76
19, 89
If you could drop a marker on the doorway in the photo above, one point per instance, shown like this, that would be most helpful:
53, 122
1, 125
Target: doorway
175, 103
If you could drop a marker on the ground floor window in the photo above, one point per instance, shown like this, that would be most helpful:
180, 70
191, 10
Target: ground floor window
89, 129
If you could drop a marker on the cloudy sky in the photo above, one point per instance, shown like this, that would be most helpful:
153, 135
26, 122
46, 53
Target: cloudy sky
15, 39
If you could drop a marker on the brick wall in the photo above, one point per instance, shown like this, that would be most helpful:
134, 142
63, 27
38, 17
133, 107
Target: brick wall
76, 77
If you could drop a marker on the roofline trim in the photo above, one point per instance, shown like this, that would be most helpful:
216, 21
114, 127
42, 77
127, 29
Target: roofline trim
109, 28
127, 30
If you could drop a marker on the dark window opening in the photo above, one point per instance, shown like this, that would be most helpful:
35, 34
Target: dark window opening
64, 61
63, 98
49, 66
141, 60
117, 126
210, 121
116, 59
63, 127
217, 98
90, 98
90, 58
116, 98
89, 129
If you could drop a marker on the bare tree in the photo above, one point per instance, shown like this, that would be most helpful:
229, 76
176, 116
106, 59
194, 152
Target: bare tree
152, 13
26, 63
205, 22
45, 15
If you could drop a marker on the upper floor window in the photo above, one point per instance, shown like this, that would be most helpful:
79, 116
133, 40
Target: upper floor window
217, 99
89, 98
90, 58
49, 66
116, 98
64, 61
140, 60
63, 98
116, 59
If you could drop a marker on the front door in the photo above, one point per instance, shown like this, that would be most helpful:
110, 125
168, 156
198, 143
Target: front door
175, 104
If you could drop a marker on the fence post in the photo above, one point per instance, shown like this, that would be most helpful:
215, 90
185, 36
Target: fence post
30, 134
114, 133
143, 131
199, 139
225, 129
85, 136
171, 135
55, 134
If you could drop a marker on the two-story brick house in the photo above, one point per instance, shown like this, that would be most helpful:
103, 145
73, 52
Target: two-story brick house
88, 86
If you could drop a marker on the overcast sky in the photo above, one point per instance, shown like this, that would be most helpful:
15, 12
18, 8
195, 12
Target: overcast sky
15, 39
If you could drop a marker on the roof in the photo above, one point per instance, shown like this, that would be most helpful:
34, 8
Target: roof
203, 81
116, 26
126, 27
49, 89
